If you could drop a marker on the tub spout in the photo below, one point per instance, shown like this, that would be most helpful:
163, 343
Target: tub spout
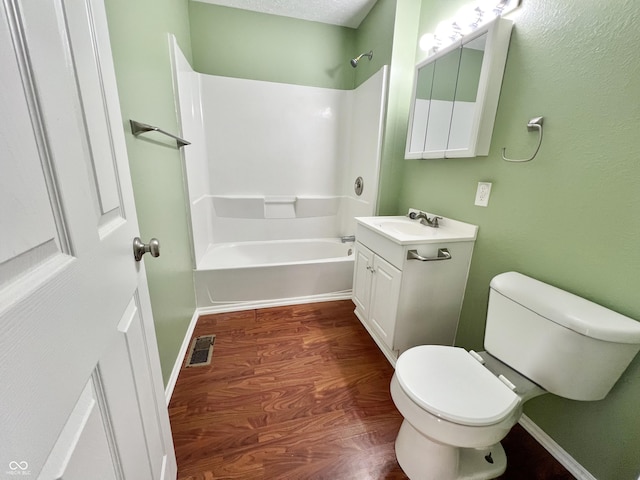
348, 238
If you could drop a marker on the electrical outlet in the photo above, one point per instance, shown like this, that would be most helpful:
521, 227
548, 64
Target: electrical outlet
482, 194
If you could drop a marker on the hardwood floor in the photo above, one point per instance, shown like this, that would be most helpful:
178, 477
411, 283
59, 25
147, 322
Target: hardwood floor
301, 392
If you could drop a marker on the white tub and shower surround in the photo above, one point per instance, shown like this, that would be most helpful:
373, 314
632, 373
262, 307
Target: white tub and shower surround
276, 252
368, 107
282, 159
276, 162
196, 177
273, 272
266, 138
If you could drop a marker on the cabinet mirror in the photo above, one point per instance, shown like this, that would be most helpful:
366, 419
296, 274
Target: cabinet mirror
456, 95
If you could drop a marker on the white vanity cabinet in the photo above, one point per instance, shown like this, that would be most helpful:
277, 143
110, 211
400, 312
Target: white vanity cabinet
401, 300
376, 291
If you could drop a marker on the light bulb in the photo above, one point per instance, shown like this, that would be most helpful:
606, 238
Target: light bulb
427, 42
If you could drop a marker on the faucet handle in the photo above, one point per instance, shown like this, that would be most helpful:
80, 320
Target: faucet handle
412, 215
435, 219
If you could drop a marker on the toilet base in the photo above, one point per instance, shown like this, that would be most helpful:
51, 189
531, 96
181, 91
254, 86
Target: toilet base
423, 459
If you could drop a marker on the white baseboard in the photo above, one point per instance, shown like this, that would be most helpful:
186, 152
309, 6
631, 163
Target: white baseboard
555, 450
237, 307
168, 391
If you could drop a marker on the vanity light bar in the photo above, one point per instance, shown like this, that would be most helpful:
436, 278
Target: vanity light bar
469, 18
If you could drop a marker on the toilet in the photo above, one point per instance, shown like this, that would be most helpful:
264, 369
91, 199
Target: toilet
457, 405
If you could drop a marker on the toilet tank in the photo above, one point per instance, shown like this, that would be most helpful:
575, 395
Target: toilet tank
566, 344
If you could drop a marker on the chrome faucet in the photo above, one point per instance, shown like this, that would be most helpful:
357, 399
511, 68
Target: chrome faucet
425, 220
348, 238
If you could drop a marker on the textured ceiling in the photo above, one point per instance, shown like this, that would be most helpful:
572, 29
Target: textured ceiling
348, 13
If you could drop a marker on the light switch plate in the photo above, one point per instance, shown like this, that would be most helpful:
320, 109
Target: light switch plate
483, 193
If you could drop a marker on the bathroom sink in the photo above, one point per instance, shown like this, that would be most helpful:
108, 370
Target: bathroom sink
404, 231
404, 227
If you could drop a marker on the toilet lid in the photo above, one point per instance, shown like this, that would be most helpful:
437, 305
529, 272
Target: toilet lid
449, 383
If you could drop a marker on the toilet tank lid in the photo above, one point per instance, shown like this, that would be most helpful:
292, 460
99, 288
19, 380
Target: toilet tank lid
567, 309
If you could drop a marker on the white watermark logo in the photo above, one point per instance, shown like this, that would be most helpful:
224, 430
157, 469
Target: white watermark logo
18, 468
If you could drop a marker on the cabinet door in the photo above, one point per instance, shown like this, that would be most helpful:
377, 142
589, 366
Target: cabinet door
443, 94
385, 292
362, 274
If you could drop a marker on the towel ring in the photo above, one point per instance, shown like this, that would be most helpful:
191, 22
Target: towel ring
534, 124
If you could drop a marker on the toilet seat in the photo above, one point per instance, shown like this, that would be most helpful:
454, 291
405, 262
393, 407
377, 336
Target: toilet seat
450, 384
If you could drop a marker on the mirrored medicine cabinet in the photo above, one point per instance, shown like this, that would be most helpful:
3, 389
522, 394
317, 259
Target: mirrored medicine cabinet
455, 95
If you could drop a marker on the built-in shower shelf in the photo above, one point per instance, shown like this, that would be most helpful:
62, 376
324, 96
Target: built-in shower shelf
272, 206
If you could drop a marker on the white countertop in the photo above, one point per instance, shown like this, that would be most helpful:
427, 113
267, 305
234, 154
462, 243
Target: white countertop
404, 231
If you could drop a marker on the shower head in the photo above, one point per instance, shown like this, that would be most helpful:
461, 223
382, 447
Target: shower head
354, 61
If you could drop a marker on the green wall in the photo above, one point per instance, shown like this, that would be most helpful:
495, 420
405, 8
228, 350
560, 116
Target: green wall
398, 101
569, 217
141, 55
239, 43
375, 33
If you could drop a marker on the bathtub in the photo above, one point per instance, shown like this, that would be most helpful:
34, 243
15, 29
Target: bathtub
232, 276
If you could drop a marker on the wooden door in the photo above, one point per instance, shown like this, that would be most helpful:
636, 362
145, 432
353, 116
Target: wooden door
81, 394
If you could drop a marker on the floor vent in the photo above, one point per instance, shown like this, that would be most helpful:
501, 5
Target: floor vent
201, 351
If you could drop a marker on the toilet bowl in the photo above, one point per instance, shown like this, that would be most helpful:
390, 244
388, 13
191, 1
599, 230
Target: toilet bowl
458, 405
458, 401
456, 410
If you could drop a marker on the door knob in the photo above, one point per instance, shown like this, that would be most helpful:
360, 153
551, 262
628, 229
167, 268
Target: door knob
140, 248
